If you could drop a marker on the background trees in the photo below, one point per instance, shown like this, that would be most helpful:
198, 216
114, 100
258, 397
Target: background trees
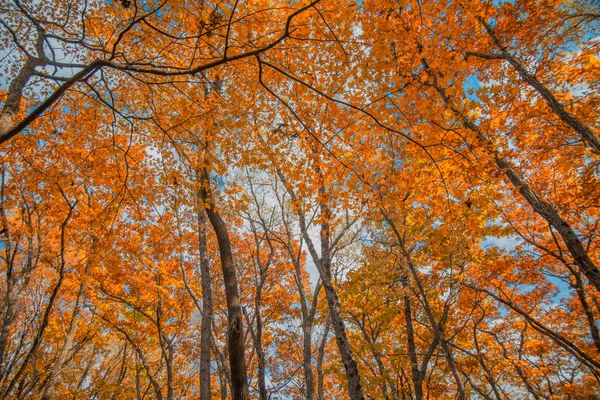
299, 200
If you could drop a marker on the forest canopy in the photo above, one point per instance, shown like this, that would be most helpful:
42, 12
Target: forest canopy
390, 199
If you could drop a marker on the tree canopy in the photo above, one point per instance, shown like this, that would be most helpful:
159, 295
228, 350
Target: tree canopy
388, 199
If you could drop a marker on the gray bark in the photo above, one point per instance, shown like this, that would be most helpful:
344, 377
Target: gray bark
417, 377
320, 374
235, 330
207, 305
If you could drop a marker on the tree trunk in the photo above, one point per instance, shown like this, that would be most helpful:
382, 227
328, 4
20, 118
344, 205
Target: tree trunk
308, 313
412, 351
12, 104
320, 374
207, 305
235, 330
323, 263
339, 328
429, 312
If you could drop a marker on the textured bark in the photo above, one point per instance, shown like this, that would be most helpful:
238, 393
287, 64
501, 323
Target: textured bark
8, 315
417, 377
256, 333
204, 307
339, 328
207, 306
308, 318
320, 374
309, 380
235, 329
15, 93
165, 345
260, 354
307, 329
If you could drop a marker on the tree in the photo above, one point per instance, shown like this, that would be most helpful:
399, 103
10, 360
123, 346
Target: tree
416, 180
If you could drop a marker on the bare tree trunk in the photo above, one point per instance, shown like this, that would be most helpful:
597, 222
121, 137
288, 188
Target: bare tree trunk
205, 308
417, 377
8, 314
235, 331
165, 344
207, 304
260, 354
307, 327
320, 374
224, 373
339, 328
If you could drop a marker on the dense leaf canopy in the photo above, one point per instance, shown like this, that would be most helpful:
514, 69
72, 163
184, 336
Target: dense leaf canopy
388, 199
